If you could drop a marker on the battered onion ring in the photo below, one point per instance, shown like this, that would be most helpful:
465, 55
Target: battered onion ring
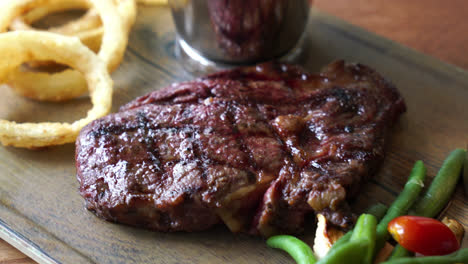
50, 86
88, 28
91, 16
21, 46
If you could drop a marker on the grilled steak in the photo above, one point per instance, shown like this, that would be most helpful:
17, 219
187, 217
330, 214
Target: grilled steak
257, 148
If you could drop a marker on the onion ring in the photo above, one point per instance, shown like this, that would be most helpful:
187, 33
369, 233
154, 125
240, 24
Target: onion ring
21, 46
50, 86
84, 28
87, 28
91, 17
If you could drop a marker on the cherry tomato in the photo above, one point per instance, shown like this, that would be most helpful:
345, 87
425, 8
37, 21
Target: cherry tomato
423, 235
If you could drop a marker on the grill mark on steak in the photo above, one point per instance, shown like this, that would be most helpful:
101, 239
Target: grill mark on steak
240, 138
255, 147
143, 123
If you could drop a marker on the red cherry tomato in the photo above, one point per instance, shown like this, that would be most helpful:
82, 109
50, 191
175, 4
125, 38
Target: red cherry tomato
423, 235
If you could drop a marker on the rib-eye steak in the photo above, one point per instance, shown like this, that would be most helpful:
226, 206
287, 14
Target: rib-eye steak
257, 148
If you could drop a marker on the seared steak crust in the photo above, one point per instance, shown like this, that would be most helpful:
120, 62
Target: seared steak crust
256, 148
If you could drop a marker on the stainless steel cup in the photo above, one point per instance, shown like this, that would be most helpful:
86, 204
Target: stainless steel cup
239, 31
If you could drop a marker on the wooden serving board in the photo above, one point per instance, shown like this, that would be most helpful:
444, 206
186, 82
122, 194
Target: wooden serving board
43, 215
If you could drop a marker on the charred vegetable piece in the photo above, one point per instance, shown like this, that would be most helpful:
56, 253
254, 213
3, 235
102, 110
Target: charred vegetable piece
298, 250
325, 236
360, 246
384, 253
460, 256
456, 228
402, 203
423, 235
378, 210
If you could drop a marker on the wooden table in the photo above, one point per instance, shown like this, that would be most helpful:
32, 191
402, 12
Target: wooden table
430, 26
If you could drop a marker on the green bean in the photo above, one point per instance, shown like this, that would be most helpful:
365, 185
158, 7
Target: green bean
402, 203
460, 256
442, 186
378, 210
399, 252
351, 252
298, 250
364, 231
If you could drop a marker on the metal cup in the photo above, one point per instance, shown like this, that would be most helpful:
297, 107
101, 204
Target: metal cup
238, 31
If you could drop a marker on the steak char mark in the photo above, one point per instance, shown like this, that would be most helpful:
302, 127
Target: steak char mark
257, 148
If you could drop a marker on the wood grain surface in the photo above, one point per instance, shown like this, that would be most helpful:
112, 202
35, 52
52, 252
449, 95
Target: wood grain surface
430, 26
10, 255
